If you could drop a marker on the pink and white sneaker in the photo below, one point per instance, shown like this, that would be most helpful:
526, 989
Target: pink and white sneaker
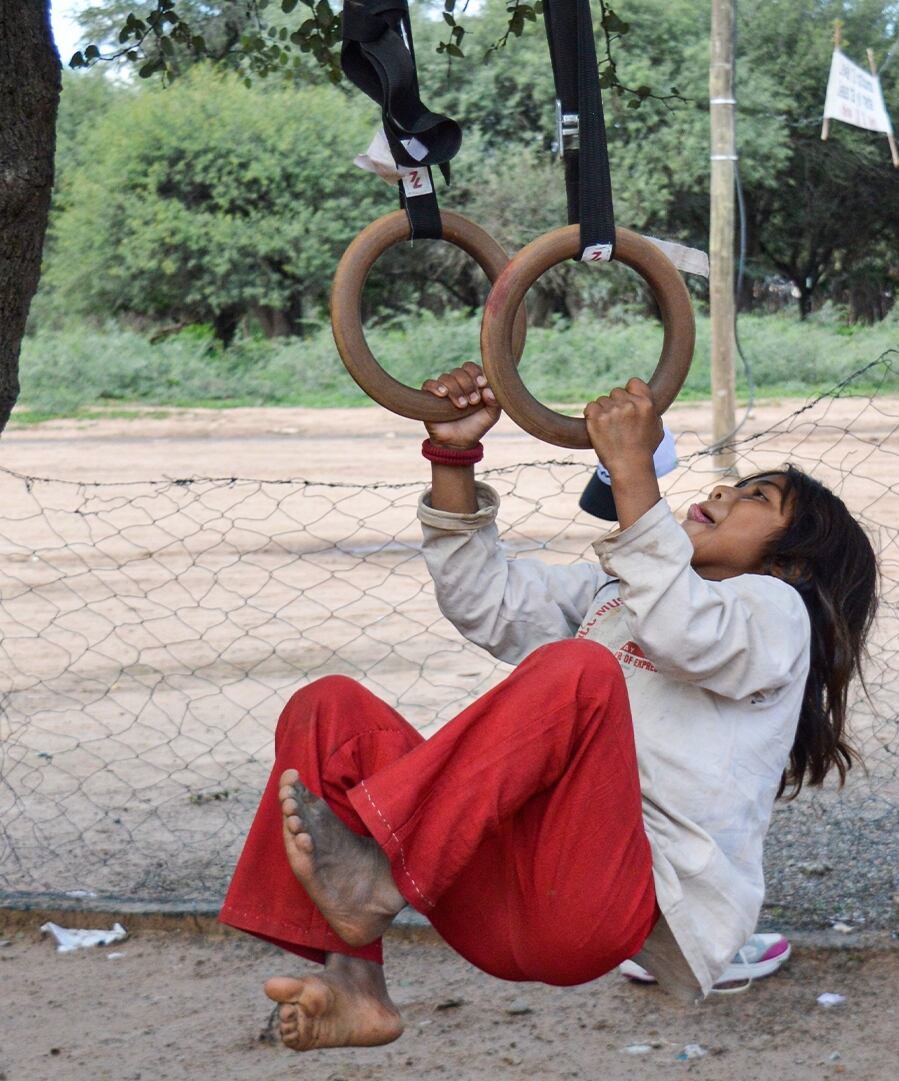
761, 956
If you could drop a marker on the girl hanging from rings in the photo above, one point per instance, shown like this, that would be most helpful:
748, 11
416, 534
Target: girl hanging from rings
609, 798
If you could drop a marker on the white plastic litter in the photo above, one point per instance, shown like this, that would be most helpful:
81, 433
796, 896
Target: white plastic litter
843, 928
114, 956
829, 1000
637, 1049
691, 1050
71, 938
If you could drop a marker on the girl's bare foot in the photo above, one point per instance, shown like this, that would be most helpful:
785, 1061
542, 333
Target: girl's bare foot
346, 1006
346, 876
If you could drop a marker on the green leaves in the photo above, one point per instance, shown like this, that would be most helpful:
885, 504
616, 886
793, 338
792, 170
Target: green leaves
173, 34
323, 14
210, 196
611, 23
452, 46
151, 67
167, 36
519, 13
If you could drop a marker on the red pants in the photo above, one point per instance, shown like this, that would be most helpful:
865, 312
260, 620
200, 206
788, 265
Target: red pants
517, 828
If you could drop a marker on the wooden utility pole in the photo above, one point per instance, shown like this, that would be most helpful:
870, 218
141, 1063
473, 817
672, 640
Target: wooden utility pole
721, 230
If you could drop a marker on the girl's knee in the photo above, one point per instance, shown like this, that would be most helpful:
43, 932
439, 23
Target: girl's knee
578, 659
336, 685
328, 689
322, 699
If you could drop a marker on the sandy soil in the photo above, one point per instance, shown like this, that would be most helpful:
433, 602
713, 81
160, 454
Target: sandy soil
166, 1006
371, 444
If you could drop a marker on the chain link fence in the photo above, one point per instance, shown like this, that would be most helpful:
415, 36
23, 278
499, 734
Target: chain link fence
150, 633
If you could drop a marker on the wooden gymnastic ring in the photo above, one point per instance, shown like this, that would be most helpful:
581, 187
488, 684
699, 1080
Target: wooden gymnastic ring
509, 290
346, 310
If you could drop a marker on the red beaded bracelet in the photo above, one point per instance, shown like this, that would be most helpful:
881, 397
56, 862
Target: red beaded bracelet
452, 455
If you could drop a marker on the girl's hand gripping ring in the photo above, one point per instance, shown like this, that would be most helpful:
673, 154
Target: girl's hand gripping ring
346, 311
499, 355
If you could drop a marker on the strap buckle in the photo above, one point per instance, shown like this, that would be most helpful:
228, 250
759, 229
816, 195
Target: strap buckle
568, 128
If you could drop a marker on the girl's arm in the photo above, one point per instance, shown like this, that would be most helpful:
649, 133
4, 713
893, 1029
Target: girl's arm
625, 430
453, 488
745, 635
509, 607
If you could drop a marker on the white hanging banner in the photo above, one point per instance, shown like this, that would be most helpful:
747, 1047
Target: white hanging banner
854, 96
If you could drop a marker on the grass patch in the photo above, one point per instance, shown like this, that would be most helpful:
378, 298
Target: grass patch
84, 372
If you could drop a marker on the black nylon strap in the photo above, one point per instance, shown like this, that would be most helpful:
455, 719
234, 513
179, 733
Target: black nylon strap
588, 183
378, 56
422, 210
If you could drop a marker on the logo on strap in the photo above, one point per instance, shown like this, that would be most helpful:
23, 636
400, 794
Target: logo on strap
597, 253
417, 182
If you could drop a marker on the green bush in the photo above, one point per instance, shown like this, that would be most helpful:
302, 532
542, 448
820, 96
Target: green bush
208, 201
78, 369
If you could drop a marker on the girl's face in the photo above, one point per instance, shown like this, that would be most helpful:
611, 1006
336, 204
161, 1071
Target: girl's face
732, 530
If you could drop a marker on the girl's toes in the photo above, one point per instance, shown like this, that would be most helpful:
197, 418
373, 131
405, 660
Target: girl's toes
294, 824
289, 777
315, 999
303, 842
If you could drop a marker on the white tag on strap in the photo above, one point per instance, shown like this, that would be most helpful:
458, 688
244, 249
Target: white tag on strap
417, 182
689, 260
597, 253
415, 148
379, 160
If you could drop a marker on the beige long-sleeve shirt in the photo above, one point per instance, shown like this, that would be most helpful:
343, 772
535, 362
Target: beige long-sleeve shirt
715, 675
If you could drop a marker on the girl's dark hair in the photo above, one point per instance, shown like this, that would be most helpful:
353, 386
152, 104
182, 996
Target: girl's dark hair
826, 555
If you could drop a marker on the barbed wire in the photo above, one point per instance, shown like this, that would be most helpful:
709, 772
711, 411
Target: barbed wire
152, 630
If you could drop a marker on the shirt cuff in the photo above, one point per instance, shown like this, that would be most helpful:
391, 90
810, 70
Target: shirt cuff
488, 505
624, 540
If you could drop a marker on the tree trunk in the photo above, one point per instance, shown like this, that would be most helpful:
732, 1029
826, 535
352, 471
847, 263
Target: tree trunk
279, 322
29, 95
226, 322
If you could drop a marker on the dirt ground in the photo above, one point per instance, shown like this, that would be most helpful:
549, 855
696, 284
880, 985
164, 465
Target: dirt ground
371, 444
171, 1006
126, 680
